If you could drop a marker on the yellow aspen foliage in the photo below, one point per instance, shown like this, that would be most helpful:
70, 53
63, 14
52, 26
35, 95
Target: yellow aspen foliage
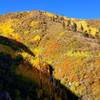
76, 83
71, 22
81, 90
73, 89
24, 54
26, 32
72, 19
48, 61
37, 51
93, 31
84, 25
49, 14
69, 53
37, 38
79, 26
16, 36
34, 23
74, 86
35, 61
61, 34
6, 28
78, 53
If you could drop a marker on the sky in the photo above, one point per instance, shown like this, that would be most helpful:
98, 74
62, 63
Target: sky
86, 9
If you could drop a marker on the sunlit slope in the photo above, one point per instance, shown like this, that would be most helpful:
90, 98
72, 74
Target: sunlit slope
71, 46
18, 72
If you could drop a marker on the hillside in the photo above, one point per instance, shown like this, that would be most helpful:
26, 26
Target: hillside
55, 56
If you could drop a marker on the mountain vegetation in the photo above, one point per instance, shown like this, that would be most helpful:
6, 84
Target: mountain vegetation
44, 56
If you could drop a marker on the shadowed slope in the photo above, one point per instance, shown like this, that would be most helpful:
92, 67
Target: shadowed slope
71, 46
15, 45
19, 80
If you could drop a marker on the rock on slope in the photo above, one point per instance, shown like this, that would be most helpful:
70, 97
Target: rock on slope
71, 46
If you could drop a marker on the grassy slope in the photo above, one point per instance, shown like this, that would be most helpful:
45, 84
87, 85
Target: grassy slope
75, 55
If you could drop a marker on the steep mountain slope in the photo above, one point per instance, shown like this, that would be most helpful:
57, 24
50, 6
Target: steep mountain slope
70, 46
20, 80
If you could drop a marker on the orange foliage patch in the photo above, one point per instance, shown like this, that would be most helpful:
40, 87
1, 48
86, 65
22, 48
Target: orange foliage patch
66, 68
52, 48
97, 62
